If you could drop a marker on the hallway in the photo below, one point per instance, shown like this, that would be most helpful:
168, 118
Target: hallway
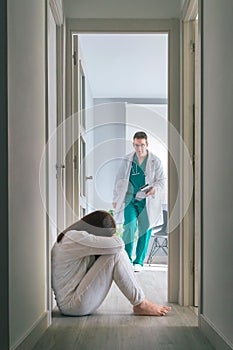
114, 327
25, 252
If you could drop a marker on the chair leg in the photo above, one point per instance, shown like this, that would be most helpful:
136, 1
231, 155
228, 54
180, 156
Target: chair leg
164, 246
156, 245
153, 250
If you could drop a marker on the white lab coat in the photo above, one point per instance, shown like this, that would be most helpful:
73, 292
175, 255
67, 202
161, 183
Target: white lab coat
154, 175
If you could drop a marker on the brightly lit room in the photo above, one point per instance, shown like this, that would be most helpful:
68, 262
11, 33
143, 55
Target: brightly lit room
123, 85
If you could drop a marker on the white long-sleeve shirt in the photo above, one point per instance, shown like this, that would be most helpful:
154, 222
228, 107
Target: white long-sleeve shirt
73, 257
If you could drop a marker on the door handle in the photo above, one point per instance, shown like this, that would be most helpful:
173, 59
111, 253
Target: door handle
75, 162
89, 177
61, 166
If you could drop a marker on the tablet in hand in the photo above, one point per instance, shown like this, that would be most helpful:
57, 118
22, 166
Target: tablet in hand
146, 188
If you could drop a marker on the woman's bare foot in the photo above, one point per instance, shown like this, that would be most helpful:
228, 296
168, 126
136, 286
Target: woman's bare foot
147, 308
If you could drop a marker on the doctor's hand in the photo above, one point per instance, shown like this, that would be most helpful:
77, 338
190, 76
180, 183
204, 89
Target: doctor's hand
151, 192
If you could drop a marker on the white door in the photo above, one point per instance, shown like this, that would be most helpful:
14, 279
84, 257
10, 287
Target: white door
78, 132
60, 135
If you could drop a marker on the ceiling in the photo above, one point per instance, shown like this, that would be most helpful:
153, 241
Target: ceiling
123, 8
126, 65
133, 66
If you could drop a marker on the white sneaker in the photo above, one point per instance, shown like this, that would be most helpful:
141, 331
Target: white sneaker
138, 268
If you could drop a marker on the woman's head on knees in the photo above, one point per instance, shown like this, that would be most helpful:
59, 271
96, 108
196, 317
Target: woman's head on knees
98, 223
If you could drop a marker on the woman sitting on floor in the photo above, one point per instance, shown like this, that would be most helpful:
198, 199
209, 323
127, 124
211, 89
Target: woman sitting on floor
86, 259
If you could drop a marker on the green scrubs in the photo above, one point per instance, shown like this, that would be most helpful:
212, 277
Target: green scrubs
135, 214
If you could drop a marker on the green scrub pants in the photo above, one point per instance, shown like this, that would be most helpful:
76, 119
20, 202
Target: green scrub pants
136, 216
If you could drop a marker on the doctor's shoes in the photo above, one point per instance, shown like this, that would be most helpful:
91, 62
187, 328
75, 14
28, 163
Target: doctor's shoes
138, 268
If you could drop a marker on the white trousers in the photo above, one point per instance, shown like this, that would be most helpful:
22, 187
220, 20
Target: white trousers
95, 285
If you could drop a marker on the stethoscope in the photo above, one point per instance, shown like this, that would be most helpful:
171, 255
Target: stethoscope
135, 169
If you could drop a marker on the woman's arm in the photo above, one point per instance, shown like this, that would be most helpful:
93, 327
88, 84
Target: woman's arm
70, 228
96, 245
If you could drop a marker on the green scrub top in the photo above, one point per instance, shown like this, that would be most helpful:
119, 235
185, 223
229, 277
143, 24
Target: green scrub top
136, 178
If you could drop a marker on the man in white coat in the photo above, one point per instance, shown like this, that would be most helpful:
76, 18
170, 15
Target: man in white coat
141, 207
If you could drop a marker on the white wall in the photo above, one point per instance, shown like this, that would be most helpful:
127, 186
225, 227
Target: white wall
122, 9
109, 147
217, 238
4, 289
182, 2
126, 65
26, 79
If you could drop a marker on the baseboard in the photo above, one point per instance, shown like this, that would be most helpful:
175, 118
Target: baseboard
215, 337
33, 334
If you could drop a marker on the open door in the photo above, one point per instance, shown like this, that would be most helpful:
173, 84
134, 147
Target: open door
78, 131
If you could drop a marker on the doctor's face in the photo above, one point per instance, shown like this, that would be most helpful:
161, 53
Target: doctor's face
140, 146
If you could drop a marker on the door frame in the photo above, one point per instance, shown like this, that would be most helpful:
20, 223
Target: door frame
57, 13
190, 238
146, 26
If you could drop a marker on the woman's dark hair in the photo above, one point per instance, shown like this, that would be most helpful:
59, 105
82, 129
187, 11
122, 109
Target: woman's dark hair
98, 223
140, 135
